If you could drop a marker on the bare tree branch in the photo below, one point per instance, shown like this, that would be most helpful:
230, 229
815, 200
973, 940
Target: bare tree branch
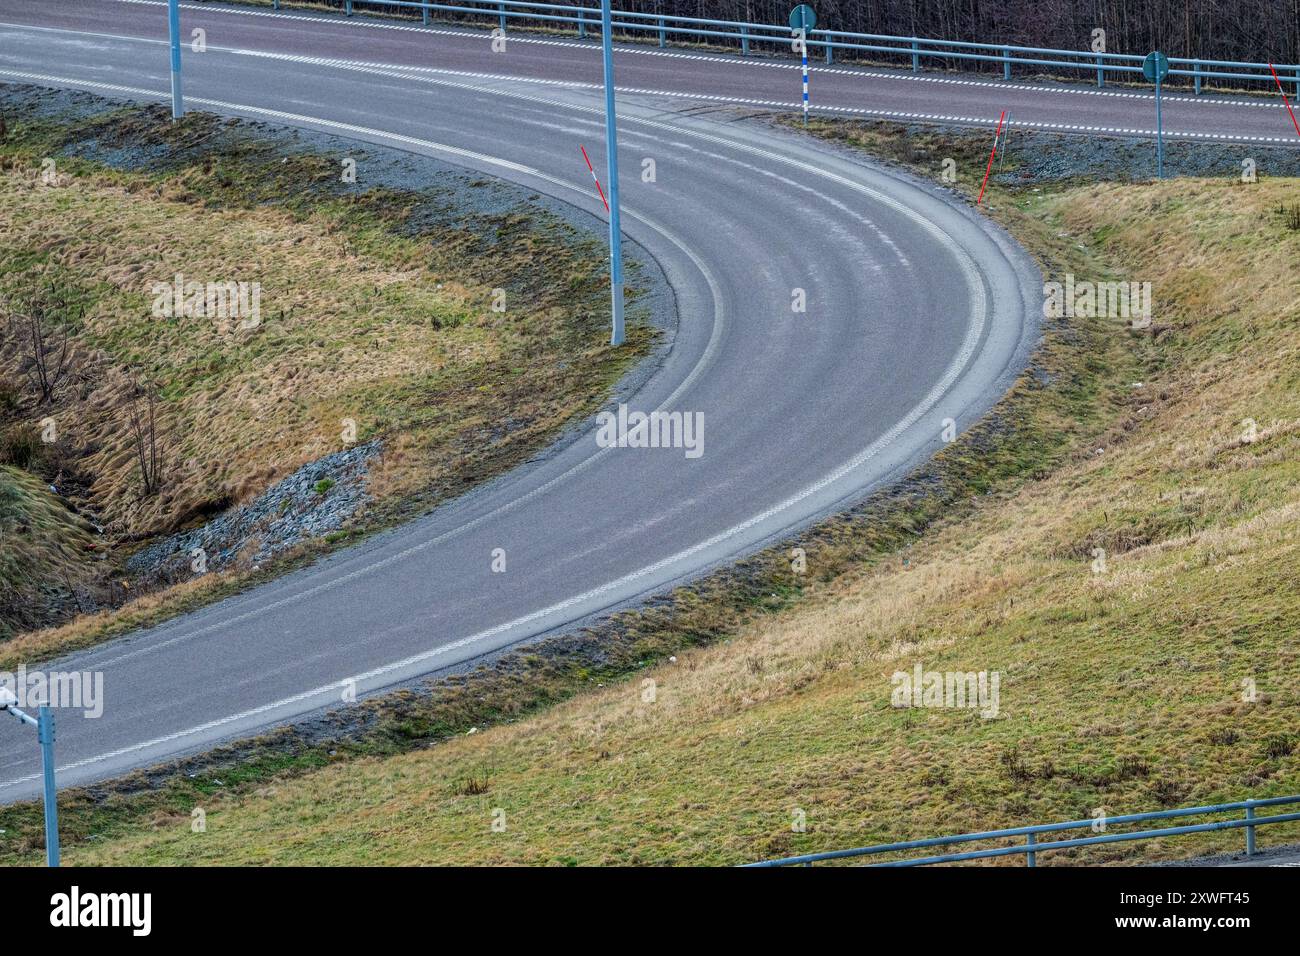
142, 419
44, 340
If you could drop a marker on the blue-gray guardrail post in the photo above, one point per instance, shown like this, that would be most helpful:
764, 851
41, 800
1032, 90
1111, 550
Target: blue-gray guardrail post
424, 14
1250, 831
1201, 70
1033, 846
611, 151
45, 733
582, 24
44, 724
174, 30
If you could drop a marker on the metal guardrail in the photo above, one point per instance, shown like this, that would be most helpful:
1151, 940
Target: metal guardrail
911, 49
1031, 847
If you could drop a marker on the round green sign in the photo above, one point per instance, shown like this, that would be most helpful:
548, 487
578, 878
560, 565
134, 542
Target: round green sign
803, 17
1155, 66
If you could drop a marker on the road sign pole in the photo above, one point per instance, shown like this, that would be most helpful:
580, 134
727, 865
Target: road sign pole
1155, 67
1160, 135
802, 19
45, 733
174, 28
803, 28
611, 152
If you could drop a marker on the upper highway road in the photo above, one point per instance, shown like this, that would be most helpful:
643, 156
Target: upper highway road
919, 310
757, 81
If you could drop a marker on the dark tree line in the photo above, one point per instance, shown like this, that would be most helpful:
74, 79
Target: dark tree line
1251, 30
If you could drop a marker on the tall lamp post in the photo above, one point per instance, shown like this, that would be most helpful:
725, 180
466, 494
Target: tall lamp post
174, 31
611, 153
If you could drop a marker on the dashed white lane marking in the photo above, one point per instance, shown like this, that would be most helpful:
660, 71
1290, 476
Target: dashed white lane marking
723, 58
418, 73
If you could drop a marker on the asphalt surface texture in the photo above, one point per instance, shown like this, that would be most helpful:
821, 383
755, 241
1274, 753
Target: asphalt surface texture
918, 310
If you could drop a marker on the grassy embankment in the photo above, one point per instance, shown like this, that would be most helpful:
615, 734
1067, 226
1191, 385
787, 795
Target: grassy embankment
1122, 688
42, 543
376, 306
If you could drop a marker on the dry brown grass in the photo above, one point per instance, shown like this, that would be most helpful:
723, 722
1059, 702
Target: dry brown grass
336, 329
1121, 689
363, 319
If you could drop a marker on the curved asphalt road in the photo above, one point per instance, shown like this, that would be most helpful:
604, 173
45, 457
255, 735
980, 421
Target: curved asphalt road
918, 310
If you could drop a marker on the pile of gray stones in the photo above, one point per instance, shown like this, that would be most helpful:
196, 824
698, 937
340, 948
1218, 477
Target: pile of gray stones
318, 498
